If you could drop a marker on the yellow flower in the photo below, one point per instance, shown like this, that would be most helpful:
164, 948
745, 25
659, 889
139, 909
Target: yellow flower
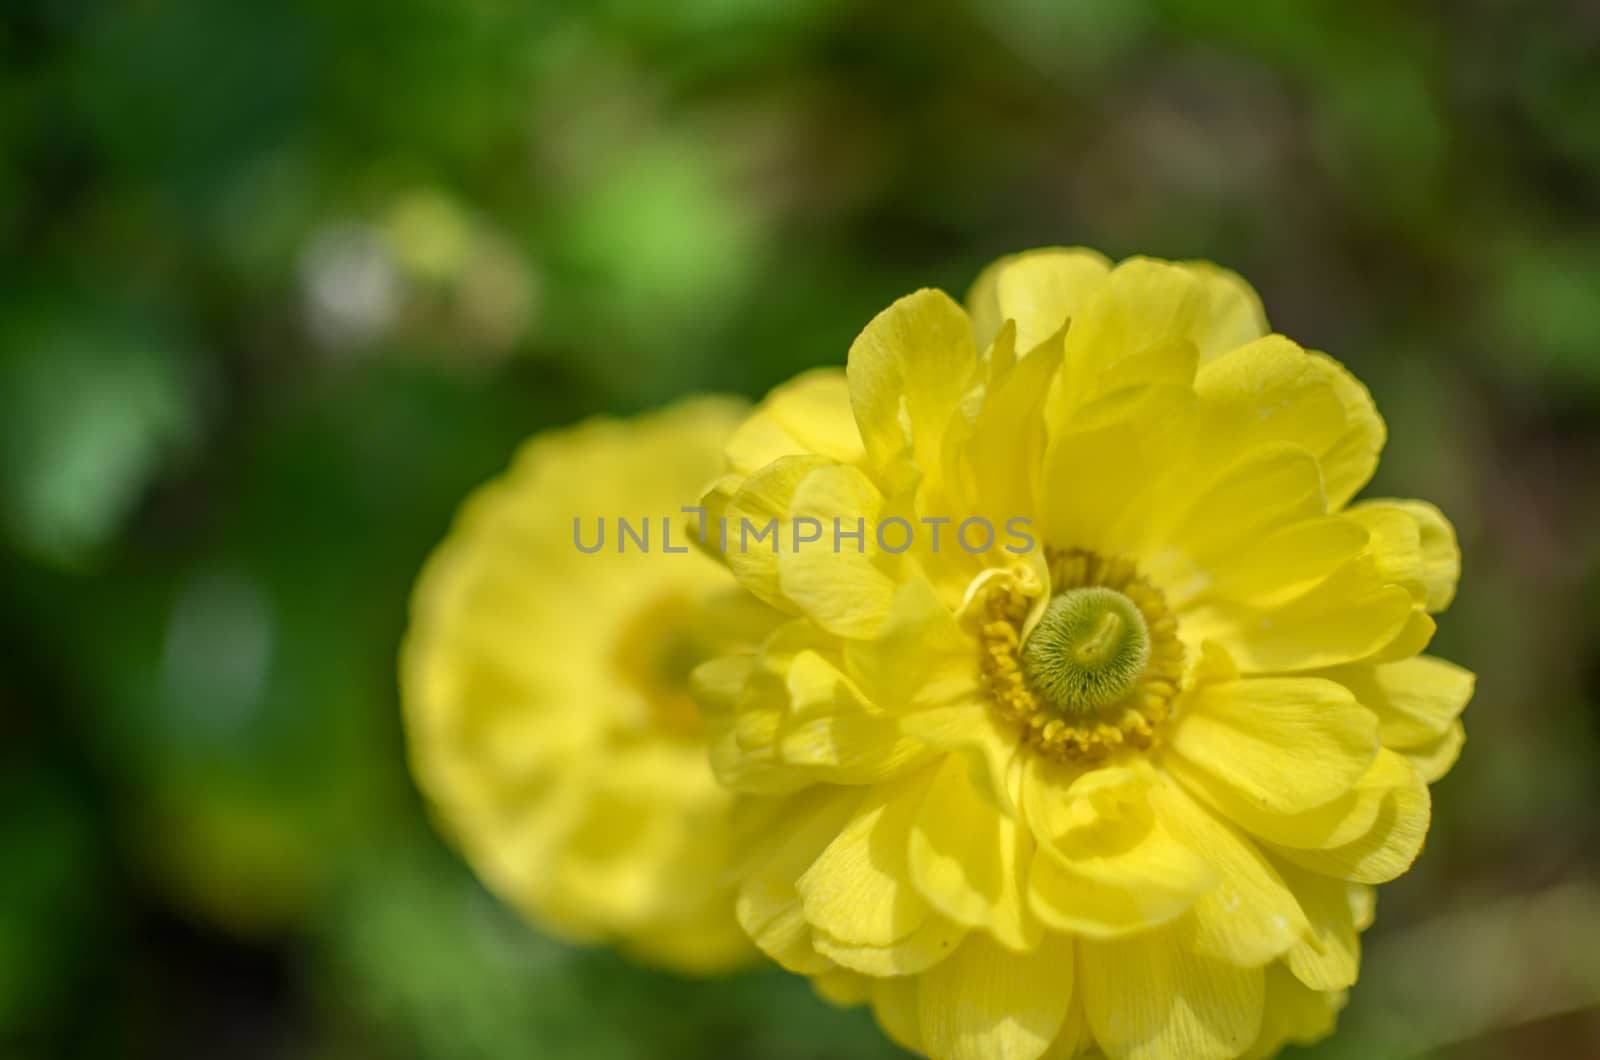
546, 689
1126, 789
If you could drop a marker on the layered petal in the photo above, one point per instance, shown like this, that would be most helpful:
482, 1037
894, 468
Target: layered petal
1275, 745
859, 890
1145, 305
1281, 563
894, 1004
1039, 290
1394, 798
751, 519
1233, 314
848, 592
809, 415
789, 714
1154, 996
1107, 865
907, 371
1000, 464
1435, 758
1380, 815
1293, 1014
1329, 956
1417, 700
986, 1001
1103, 467
1352, 615
971, 862
1271, 390
1414, 545
1252, 914
1210, 524
767, 904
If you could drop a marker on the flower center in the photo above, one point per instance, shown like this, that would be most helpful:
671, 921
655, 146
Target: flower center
654, 655
1100, 667
1088, 649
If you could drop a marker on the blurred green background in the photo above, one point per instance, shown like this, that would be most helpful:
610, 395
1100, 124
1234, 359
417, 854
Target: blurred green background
282, 280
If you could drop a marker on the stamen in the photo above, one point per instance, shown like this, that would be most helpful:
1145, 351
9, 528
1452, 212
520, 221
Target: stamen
1099, 669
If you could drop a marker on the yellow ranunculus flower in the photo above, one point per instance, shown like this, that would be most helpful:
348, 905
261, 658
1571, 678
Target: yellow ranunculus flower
1127, 790
546, 689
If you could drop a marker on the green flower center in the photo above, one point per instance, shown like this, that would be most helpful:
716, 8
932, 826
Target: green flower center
1089, 649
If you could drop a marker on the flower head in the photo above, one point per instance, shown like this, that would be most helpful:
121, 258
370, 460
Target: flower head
546, 689
1121, 778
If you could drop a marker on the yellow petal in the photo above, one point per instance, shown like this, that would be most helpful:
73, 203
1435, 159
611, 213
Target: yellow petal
1271, 390
1293, 1013
1251, 915
1265, 489
719, 685
1332, 825
746, 706
809, 415
762, 500
1001, 355
1170, 361
1363, 904
907, 371
1387, 848
1106, 865
928, 944
971, 729
894, 1005
1103, 468
1142, 304
1416, 699
1284, 563
1434, 759
767, 905
848, 592
1038, 289
985, 1001
1416, 545
1349, 462
1073, 1038
1278, 745
789, 715
969, 860
1350, 616
921, 657
859, 889
782, 933
1414, 636
831, 732
1233, 315
1152, 997
1004, 455
1329, 956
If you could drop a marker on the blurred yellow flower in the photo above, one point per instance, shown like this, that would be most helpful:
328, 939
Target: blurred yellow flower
1126, 789
546, 689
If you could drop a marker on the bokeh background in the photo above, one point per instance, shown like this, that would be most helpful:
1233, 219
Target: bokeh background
283, 279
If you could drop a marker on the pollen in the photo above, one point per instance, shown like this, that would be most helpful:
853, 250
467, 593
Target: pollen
1100, 667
